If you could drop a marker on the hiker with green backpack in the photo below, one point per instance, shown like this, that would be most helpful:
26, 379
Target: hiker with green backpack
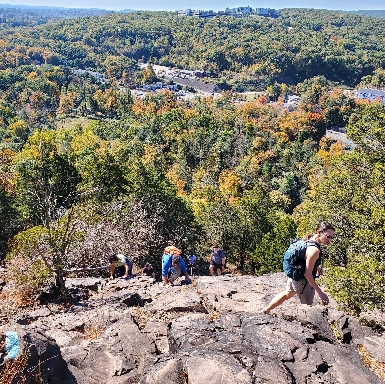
120, 266
302, 261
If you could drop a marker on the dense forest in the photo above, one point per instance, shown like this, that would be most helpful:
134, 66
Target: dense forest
246, 53
87, 169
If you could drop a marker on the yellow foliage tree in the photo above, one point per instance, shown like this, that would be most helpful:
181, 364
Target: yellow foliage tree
230, 183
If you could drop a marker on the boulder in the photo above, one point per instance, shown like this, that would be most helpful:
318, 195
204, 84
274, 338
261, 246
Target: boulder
45, 362
218, 368
122, 353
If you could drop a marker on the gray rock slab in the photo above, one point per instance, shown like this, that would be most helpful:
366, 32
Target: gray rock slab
215, 368
312, 317
345, 365
122, 353
133, 331
307, 361
158, 331
375, 318
90, 283
348, 326
191, 331
276, 338
179, 299
30, 317
170, 371
375, 346
268, 371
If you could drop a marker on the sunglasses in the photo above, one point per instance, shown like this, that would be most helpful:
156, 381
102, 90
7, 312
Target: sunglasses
331, 237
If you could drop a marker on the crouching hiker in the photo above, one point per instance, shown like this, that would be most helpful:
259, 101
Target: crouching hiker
120, 266
173, 266
302, 262
148, 271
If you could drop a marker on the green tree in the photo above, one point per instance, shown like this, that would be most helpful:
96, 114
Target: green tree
9, 220
46, 180
268, 254
351, 196
237, 224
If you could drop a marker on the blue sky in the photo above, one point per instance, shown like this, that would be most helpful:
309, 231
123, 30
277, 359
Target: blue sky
216, 5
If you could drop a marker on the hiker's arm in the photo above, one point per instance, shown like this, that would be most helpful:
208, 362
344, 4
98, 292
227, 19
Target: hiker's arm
166, 264
125, 270
183, 266
112, 270
312, 255
183, 269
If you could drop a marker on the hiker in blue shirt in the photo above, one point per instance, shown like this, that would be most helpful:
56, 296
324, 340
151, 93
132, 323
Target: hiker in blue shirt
173, 266
218, 261
191, 263
120, 266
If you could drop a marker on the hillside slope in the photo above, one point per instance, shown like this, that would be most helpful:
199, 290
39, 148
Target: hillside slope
208, 332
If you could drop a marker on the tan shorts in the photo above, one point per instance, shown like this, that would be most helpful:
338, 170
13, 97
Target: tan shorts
303, 289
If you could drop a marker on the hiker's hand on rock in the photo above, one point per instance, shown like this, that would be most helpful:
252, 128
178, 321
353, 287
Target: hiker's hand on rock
324, 298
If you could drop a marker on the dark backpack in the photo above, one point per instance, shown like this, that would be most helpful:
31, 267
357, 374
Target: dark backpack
294, 258
176, 259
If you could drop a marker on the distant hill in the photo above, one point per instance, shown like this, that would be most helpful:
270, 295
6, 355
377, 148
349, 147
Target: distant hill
247, 53
25, 15
92, 11
372, 13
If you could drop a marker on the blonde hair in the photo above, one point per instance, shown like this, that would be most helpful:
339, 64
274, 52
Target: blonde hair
172, 250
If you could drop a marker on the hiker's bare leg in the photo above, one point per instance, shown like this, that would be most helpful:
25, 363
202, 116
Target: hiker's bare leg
219, 272
211, 269
279, 299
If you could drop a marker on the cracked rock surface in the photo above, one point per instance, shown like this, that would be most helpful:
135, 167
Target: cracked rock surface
212, 331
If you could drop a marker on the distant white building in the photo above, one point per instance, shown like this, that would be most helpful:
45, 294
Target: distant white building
262, 11
186, 12
267, 12
239, 10
236, 12
370, 94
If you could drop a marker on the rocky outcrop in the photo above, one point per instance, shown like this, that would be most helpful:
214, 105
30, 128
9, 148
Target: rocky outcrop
211, 331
